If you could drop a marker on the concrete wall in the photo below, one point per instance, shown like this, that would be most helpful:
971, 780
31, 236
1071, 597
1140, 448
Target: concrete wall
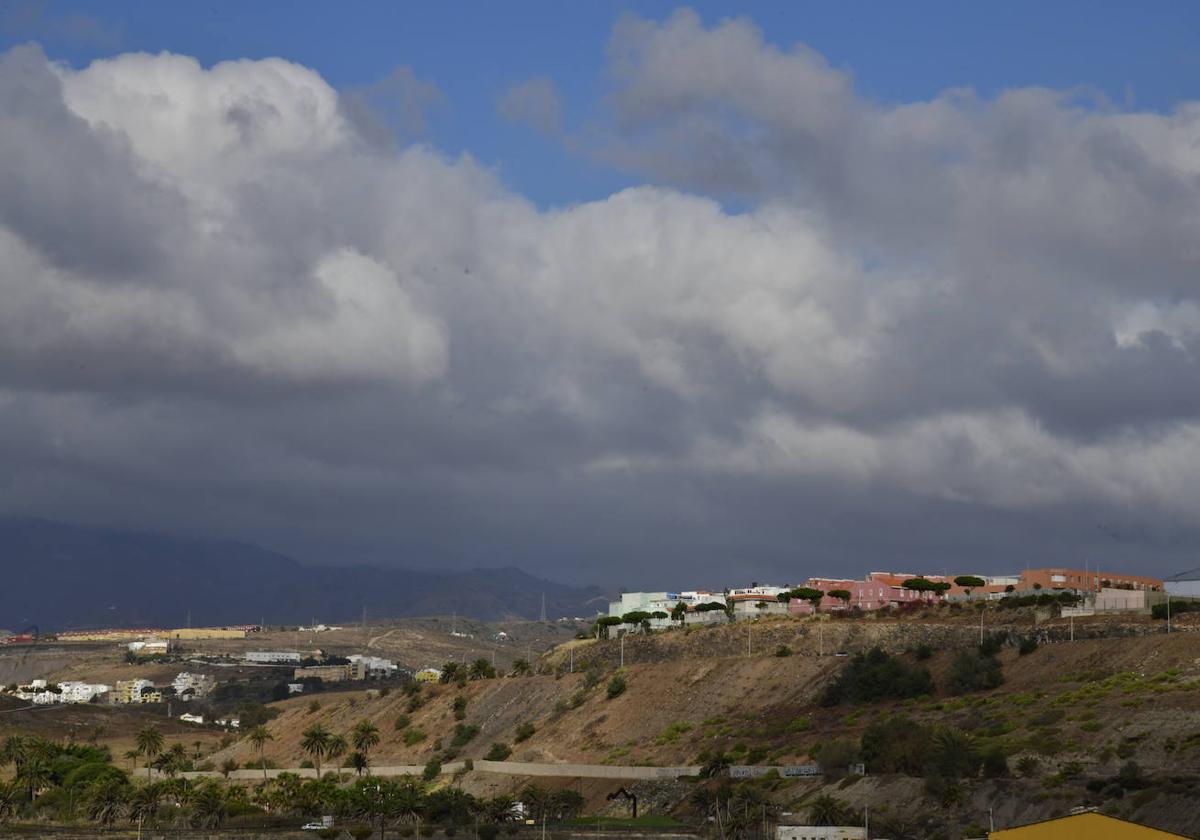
510, 768
585, 771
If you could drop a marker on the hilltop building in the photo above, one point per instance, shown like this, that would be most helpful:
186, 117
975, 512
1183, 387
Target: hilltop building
134, 691
192, 686
373, 666
272, 657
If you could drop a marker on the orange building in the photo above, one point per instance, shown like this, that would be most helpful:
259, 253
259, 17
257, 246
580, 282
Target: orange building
1090, 580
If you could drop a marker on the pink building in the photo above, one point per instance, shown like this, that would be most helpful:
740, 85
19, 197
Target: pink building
871, 594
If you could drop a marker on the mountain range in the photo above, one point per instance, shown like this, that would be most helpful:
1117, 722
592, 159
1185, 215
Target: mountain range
62, 576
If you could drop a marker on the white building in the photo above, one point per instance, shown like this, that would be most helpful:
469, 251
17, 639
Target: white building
192, 686
273, 657
81, 692
374, 665
189, 718
295, 688
148, 647
661, 601
820, 832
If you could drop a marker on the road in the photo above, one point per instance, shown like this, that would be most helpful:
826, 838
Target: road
509, 768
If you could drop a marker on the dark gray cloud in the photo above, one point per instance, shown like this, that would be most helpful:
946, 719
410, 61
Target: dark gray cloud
952, 333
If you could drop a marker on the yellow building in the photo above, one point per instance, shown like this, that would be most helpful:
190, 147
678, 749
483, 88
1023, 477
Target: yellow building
429, 675
1089, 825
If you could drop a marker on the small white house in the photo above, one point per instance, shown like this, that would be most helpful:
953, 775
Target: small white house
190, 718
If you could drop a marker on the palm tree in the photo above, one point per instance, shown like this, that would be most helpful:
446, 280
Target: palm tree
521, 668
132, 755
178, 756
149, 743
259, 736
107, 800
144, 802
13, 750
336, 749
34, 772
315, 742
359, 761
826, 810
8, 801
208, 805
365, 737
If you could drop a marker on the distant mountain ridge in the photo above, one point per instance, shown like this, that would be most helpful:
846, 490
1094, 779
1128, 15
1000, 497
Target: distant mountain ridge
62, 576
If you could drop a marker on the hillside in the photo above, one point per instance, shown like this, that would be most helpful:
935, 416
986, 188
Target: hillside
1077, 710
61, 576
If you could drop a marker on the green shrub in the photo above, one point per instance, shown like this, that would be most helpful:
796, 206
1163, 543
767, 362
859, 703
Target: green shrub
1027, 646
433, 769
995, 763
524, 732
463, 733
876, 675
361, 832
783, 650
616, 686
460, 707
498, 752
800, 724
402, 722
973, 672
923, 652
413, 736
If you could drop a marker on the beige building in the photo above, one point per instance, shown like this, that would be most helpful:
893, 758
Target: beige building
327, 673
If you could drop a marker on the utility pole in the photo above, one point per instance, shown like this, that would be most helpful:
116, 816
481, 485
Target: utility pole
981, 625
543, 606
1168, 608
748, 638
622, 650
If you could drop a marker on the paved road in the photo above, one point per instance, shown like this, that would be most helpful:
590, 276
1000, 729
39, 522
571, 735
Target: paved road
510, 768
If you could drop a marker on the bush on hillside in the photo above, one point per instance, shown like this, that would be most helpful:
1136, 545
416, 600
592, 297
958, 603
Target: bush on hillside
896, 745
616, 686
524, 732
498, 752
463, 733
974, 672
1027, 646
876, 675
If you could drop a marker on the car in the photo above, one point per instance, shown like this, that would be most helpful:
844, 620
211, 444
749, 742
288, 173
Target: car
326, 822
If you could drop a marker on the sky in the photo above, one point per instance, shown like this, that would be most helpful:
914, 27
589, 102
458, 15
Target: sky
617, 292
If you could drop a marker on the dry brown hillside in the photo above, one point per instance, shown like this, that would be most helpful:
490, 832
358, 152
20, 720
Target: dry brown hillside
1082, 707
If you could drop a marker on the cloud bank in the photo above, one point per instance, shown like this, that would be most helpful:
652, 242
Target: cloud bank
955, 332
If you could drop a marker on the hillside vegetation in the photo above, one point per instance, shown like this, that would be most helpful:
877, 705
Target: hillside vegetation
1025, 729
